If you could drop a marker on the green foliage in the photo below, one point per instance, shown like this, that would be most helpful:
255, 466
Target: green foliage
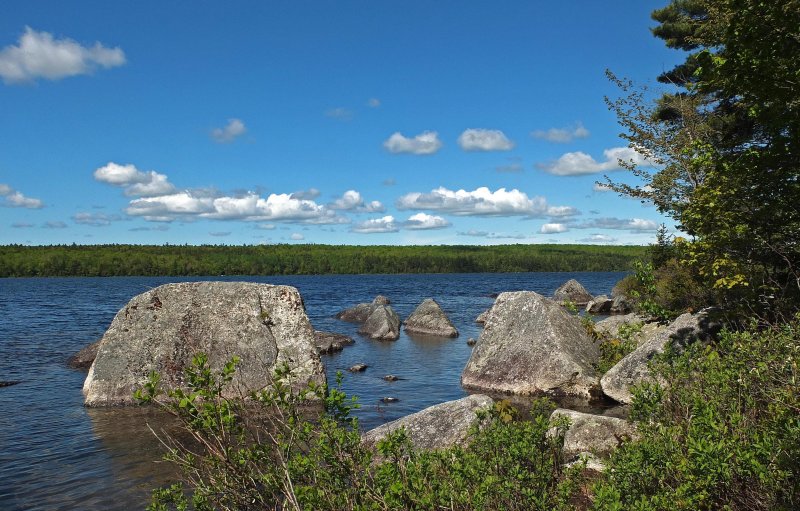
272, 452
122, 260
645, 293
723, 432
613, 349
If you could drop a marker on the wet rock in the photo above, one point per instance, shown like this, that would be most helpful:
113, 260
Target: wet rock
572, 291
381, 300
383, 324
530, 345
429, 319
633, 368
599, 305
389, 400
471, 341
390, 377
357, 368
329, 342
161, 330
84, 358
8, 383
437, 427
361, 312
597, 434
481, 319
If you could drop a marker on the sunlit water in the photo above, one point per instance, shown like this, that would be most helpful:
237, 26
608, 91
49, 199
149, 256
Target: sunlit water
56, 454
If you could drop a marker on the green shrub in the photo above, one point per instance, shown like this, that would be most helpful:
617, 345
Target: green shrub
722, 433
613, 349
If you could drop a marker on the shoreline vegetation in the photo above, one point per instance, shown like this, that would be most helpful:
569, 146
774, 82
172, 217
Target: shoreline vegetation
308, 259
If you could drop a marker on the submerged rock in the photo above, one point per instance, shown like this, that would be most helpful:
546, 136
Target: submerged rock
436, 427
329, 342
383, 324
532, 345
471, 341
357, 368
8, 383
429, 319
597, 434
572, 291
389, 400
84, 358
390, 377
162, 329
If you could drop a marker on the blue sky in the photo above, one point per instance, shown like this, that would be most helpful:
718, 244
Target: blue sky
319, 122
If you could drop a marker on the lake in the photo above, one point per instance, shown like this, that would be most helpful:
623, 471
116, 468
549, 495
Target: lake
56, 454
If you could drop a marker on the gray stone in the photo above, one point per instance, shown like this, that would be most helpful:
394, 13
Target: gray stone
572, 291
471, 341
362, 311
357, 368
429, 319
7, 383
633, 368
329, 342
389, 400
531, 345
161, 330
621, 304
597, 434
383, 324
84, 358
381, 300
481, 319
437, 427
390, 377
599, 305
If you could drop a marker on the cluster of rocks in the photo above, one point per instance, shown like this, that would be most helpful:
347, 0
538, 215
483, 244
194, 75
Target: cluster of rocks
573, 292
379, 320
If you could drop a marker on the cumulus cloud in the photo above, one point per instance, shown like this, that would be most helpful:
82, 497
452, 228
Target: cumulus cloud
562, 135
599, 238
40, 55
484, 140
479, 202
14, 199
553, 228
296, 236
373, 102
632, 224
423, 221
600, 187
310, 194
580, 163
562, 211
351, 200
425, 143
376, 225
230, 132
135, 182
94, 219
341, 113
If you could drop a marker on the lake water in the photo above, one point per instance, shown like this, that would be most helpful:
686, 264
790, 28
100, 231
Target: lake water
56, 454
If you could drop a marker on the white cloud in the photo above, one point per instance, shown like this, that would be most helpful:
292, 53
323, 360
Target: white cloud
94, 219
491, 235
310, 194
423, 221
296, 236
484, 140
562, 211
54, 225
553, 228
266, 227
373, 102
376, 225
422, 144
579, 163
600, 187
39, 55
135, 182
562, 135
220, 234
351, 200
234, 129
341, 113
14, 199
478, 202
599, 238
632, 224
5, 189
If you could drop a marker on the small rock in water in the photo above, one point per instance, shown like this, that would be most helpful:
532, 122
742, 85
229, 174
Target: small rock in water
390, 377
471, 341
390, 400
8, 383
358, 368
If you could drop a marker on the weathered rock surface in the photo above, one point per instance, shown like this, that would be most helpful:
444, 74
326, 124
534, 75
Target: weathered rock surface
599, 305
530, 345
437, 427
390, 377
162, 329
329, 342
572, 291
361, 312
383, 324
633, 368
611, 325
357, 368
597, 434
429, 319
621, 304
84, 358
472, 341
481, 319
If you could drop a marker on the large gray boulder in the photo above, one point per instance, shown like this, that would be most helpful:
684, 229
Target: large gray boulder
383, 324
437, 427
597, 434
572, 291
429, 319
633, 368
362, 311
161, 330
530, 345
611, 327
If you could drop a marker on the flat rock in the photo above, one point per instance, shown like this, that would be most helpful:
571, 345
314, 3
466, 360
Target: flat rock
383, 324
429, 319
531, 345
610, 327
329, 342
633, 368
84, 358
599, 305
572, 291
162, 329
357, 368
437, 427
597, 434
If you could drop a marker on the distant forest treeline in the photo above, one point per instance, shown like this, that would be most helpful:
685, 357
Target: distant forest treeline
151, 260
